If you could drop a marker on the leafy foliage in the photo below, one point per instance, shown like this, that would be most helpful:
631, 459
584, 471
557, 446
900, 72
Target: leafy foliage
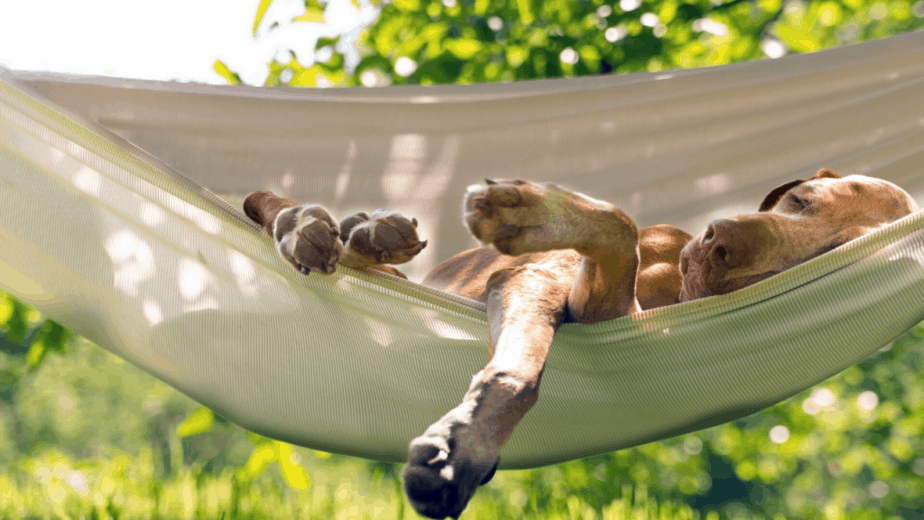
475, 41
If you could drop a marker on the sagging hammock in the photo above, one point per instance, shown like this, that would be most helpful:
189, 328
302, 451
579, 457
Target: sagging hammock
113, 242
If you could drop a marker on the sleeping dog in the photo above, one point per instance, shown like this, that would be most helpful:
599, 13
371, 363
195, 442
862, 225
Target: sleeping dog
560, 256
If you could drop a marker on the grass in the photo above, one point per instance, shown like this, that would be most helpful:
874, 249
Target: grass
127, 489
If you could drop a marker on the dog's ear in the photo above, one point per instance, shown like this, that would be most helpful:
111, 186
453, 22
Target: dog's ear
826, 173
774, 196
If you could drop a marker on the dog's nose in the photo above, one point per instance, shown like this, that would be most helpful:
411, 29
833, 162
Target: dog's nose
723, 239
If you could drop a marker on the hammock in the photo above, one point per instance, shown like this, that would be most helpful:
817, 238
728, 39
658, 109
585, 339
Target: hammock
99, 231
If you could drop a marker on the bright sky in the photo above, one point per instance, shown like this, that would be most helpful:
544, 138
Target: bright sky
163, 40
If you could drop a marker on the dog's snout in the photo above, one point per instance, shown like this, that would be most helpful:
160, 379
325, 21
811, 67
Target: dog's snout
720, 227
722, 237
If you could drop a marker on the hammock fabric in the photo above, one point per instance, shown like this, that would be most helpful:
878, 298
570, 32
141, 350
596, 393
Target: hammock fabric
100, 231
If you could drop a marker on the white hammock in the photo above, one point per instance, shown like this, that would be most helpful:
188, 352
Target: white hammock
112, 242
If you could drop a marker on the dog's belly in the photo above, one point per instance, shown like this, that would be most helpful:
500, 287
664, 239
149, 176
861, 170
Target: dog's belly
658, 284
467, 273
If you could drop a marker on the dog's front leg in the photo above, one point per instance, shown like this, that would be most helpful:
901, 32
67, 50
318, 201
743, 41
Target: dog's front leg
458, 453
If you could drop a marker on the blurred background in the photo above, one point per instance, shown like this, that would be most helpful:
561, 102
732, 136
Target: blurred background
84, 434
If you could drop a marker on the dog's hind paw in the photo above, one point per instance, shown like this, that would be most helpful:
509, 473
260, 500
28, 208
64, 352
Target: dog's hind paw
385, 237
518, 217
307, 237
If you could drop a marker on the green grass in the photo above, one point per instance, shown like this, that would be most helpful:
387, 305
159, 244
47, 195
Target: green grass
124, 489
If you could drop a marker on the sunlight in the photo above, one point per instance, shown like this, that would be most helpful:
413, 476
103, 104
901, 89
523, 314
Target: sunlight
379, 332
206, 221
823, 397
441, 328
404, 160
810, 407
405, 66
87, 180
152, 312
151, 214
288, 180
773, 48
779, 434
629, 5
713, 184
341, 16
867, 401
614, 34
78, 481
346, 170
132, 261
244, 273
193, 278
708, 25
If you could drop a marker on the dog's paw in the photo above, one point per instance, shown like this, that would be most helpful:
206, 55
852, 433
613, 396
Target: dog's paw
308, 238
444, 471
385, 237
518, 217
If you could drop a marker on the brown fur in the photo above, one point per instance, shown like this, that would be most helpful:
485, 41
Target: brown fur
561, 256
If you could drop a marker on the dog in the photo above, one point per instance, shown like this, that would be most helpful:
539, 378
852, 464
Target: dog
560, 256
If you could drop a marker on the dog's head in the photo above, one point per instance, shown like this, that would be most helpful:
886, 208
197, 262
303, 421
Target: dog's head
797, 221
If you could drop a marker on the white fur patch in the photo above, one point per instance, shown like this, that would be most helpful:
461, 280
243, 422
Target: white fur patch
306, 221
477, 189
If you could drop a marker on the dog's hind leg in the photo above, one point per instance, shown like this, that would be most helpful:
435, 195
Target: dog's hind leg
519, 217
458, 453
307, 236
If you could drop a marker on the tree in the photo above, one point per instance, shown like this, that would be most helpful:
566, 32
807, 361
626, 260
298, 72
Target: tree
475, 41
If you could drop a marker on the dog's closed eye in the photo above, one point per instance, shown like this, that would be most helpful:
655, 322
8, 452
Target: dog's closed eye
798, 202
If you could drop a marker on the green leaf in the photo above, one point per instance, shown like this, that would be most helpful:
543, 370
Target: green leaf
434, 31
407, 5
294, 474
516, 55
373, 62
444, 69
257, 439
304, 78
198, 422
323, 41
526, 11
798, 41
590, 56
333, 65
230, 76
261, 10
260, 458
17, 322
463, 48
54, 336
311, 14
36, 354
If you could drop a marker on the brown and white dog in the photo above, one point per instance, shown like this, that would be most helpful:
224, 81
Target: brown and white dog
560, 256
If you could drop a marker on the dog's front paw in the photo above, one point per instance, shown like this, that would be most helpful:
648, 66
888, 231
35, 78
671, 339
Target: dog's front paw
308, 238
385, 237
444, 470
